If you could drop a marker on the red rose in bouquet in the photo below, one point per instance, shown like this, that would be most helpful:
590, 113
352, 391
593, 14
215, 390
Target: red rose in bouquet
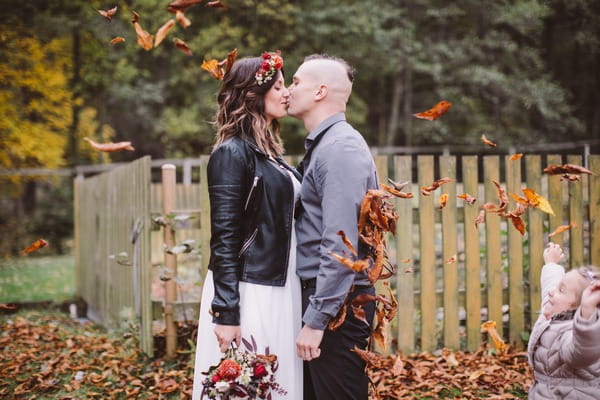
260, 370
229, 370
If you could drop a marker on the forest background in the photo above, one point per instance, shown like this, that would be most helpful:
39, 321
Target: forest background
521, 71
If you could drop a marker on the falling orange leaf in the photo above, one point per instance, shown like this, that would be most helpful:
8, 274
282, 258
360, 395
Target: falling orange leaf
117, 39
218, 69
490, 328
487, 141
562, 229
162, 32
426, 190
408, 270
182, 19
9, 307
181, 5
451, 260
111, 147
216, 4
144, 39
38, 244
434, 113
538, 201
181, 45
443, 200
355, 265
398, 185
468, 198
516, 156
519, 224
405, 260
108, 14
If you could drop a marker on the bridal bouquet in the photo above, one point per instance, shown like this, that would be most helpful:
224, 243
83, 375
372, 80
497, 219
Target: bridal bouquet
242, 374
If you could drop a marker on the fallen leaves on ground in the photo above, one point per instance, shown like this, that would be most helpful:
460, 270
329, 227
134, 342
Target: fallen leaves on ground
449, 375
51, 355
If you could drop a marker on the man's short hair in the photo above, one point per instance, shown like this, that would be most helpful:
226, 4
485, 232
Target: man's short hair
349, 70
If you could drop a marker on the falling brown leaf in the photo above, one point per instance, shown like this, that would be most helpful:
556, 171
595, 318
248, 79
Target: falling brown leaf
405, 260
451, 260
108, 14
434, 113
486, 141
566, 169
181, 5
562, 228
339, 319
348, 243
182, 19
516, 156
395, 192
490, 328
111, 147
38, 244
519, 224
144, 39
443, 200
570, 177
398, 185
216, 4
9, 307
162, 32
426, 190
181, 45
468, 198
480, 218
117, 39
355, 265
408, 270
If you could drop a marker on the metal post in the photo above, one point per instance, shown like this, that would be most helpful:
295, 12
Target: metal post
168, 187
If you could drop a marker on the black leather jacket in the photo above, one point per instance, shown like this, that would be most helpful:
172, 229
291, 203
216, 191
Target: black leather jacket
251, 212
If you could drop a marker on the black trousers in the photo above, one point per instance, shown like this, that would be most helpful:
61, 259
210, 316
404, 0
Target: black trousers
339, 373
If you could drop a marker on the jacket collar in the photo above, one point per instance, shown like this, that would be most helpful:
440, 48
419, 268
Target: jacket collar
323, 126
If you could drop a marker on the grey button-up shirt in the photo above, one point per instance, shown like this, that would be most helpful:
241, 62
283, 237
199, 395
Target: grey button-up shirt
339, 173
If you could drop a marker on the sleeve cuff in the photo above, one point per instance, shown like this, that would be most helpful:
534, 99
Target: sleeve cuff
315, 319
586, 322
226, 317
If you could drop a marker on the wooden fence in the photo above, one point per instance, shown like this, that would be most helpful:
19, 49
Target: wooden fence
496, 275
112, 242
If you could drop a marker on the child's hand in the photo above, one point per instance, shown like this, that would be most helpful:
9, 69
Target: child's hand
590, 299
553, 253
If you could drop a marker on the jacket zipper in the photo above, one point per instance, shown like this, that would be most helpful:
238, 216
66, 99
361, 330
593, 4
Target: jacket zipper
248, 242
254, 184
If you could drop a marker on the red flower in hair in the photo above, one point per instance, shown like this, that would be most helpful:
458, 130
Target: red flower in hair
266, 56
272, 62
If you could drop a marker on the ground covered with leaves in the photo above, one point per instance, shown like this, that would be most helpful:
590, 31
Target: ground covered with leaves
47, 355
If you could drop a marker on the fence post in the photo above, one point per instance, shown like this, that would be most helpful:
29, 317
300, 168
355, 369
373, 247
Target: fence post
168, 186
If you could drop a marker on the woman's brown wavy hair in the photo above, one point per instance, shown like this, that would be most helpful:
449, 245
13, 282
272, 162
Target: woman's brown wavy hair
241, 108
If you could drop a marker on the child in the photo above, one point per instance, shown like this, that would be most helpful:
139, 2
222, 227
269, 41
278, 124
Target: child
564, 347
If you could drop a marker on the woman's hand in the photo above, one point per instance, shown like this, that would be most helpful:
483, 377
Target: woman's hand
590, 299
553, 253
227, 334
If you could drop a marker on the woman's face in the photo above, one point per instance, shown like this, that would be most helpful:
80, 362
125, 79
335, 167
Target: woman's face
276, 99
565, 295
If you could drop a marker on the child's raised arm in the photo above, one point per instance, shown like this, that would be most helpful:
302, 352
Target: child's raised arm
590, 299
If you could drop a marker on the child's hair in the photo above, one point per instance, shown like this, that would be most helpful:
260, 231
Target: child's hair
589, 273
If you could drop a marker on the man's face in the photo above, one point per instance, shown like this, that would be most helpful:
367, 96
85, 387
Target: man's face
302, 92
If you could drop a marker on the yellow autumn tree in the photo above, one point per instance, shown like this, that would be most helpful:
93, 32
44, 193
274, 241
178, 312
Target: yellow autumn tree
35, 99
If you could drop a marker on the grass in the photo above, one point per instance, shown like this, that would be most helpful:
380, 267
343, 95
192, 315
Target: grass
37, 279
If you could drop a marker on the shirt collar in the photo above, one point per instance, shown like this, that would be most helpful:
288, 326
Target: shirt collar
337, 117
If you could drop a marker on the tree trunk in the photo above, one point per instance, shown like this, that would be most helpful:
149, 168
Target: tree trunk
73, 158
392, 133
408, 93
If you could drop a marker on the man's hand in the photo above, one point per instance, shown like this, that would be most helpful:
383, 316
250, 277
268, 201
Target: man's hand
307, 343
227, 334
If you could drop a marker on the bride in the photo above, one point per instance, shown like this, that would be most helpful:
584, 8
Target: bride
251, 289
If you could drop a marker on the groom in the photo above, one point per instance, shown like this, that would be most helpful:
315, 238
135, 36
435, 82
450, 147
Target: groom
337, 169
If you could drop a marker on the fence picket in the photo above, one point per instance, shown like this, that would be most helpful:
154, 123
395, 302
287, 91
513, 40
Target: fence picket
515, 256
555, 197
576, 257
493, 246
428, 256
535, 236
594, 206
449, 250
404, 249
472, 255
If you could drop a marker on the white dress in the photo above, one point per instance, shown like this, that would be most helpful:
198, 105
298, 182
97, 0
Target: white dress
271, 314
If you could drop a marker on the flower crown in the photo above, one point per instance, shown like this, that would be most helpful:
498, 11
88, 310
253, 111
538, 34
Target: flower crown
272, 62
